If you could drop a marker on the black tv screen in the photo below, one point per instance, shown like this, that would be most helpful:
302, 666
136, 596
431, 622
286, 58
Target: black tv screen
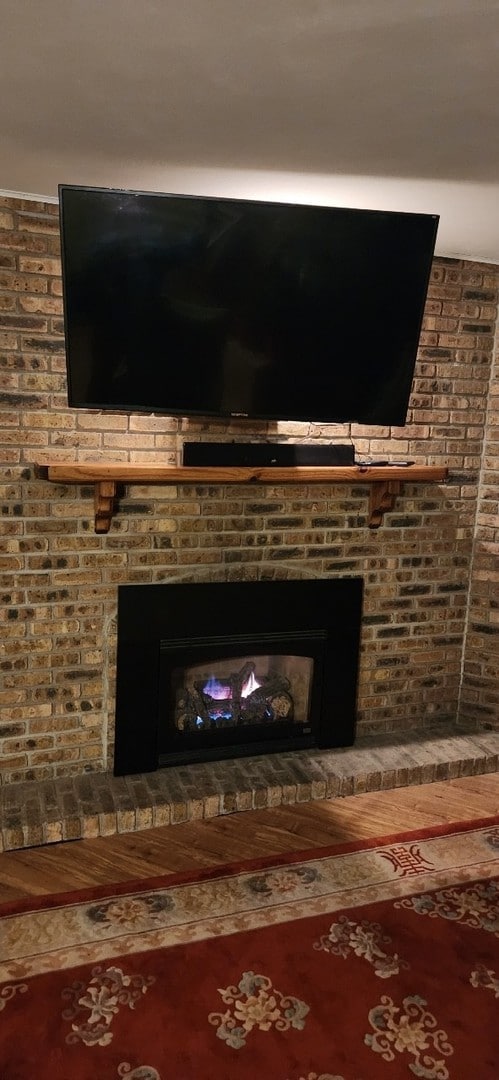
227, 307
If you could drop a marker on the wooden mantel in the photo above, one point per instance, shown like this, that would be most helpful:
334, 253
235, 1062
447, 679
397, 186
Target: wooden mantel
386, 480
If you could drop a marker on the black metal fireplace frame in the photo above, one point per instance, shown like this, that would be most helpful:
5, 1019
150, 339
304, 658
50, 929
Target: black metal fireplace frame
325, 613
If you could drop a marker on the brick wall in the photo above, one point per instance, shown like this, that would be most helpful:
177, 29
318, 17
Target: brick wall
58, 580
480, 687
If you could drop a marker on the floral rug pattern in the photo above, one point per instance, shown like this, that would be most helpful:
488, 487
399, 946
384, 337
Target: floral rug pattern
273, 971
256, 1004
95, 1006
409, 1027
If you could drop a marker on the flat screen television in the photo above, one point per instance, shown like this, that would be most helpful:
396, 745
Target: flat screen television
217, 307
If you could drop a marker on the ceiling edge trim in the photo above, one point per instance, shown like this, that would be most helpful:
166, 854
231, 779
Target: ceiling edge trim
4, 193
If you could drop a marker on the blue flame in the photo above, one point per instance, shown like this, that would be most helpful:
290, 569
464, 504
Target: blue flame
217, 690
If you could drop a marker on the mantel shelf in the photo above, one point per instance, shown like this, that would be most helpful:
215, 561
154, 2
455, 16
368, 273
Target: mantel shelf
386, 480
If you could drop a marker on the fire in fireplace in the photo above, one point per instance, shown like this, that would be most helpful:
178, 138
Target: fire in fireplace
274, 689
283, 676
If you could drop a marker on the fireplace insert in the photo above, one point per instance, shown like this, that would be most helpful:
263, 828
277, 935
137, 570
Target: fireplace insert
213, 670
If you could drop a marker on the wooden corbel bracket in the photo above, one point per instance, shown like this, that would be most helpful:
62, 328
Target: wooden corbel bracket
382, 497
104, 496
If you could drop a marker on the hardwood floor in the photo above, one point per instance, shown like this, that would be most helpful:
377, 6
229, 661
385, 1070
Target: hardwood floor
198, 844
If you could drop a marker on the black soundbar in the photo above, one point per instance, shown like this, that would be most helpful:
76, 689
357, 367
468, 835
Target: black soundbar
267, 454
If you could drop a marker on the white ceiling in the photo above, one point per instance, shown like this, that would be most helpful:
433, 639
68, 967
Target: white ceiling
382, 103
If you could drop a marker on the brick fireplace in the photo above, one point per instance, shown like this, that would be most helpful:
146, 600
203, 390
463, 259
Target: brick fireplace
430, 628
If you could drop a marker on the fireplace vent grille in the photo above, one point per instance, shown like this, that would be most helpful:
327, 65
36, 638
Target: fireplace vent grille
243, 639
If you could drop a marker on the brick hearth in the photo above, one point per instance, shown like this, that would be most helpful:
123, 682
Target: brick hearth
100, 805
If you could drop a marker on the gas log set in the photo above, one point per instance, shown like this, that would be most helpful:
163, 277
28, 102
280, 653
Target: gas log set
240, 698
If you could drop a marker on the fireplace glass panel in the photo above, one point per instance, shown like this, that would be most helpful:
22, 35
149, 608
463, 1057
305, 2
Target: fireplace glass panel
242, 691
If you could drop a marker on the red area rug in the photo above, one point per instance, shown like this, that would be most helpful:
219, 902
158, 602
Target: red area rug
364, 962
